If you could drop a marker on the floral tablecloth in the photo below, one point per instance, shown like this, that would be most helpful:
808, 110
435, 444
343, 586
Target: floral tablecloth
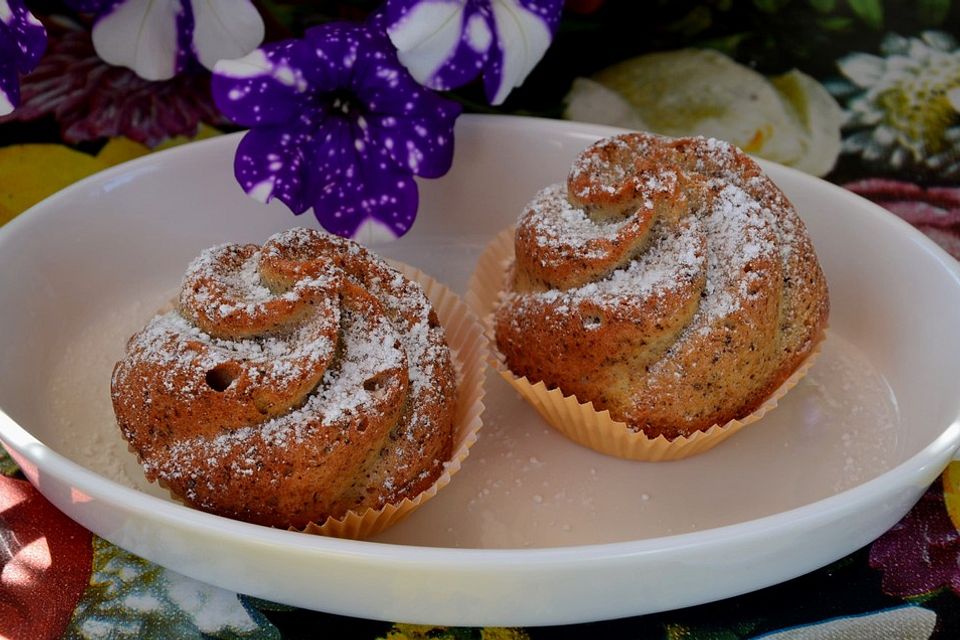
865, 93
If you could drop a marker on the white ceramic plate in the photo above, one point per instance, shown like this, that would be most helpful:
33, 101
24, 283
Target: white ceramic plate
534, 529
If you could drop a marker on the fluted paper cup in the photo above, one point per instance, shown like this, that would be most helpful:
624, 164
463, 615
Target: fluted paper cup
580, 421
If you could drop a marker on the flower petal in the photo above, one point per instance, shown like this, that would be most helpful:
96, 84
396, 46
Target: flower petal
225, 29
22, 41
953, 97
28, 36
427, 36
862, 68
524, 32
413, 125
939, 40
142, 35
334, 53
421, 145
262, 88
352, 182
270, 164
9, 83
472, 52
590, 101
340, 125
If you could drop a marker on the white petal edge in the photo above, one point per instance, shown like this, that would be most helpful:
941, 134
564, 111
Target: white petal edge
939, 40
524, 38
953, 96
6, 105
862, 68
818, 114
590, 101
372, 232
6, 13
427, 37
256, 64
225, 29
263, 190
251, 65
140, 35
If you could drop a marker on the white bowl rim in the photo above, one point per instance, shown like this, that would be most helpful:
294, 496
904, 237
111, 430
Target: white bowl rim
945, 445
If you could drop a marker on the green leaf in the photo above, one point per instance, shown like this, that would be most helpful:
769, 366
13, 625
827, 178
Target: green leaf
823, 6
835, 23
724, 44
696, 21
933, 12
870, 11
770, 6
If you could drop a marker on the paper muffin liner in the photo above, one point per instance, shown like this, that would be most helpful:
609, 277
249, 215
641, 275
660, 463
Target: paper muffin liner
580, 421
469, 352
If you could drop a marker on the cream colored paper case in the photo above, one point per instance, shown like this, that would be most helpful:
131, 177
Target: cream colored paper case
580, 421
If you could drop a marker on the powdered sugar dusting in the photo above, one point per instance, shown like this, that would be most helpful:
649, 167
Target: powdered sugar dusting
370, 348
738, 233
726, 230
605, 171
329, 339
673, 260
565, 228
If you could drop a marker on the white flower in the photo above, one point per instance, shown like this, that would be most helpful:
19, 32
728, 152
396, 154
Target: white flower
905, 110
790, 119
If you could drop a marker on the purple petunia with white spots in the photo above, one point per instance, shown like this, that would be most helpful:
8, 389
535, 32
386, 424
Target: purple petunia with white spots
22, 41
159, 38
447, 43
337, 124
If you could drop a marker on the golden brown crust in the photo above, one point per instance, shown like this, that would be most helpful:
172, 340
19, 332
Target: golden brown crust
668, 281
296, 381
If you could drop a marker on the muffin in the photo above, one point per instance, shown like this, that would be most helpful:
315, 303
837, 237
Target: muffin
669, 282
294, 382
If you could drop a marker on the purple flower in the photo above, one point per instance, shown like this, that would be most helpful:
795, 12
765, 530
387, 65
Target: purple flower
22, 42
159, 38
338, 124
447, 43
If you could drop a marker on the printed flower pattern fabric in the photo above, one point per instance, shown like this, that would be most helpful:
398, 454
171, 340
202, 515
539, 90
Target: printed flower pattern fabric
22, 42
447, 43
159, 38
91, 100
339, 125
921, 553
934, 210
790, 118
128, 597
904, 109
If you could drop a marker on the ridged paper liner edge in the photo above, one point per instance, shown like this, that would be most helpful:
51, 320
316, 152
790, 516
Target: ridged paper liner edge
580, 421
